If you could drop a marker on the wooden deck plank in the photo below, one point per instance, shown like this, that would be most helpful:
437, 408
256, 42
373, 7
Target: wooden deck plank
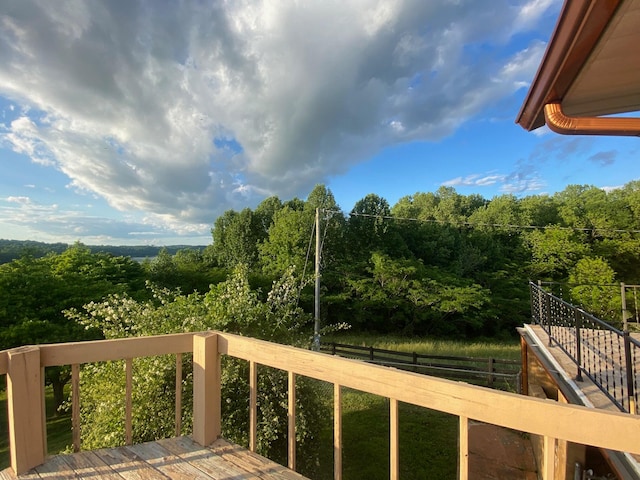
88, 464
262, 467
167, 463
203, 459
128, 465
56, 467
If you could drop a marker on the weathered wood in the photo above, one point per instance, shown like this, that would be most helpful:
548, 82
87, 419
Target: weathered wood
203, 459
165, 462
56, 468
206, 389
291, 417
504, 409
25, 399
261, 467
337, 432
89, 465
128, 465
394, 440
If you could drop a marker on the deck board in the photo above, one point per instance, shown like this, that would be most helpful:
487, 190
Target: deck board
172, 458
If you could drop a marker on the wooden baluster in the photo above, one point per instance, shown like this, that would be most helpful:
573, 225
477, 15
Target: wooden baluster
463, 454
75, 406
128, 432
253, 406
394, 442
292, 422
178, 416
337, 432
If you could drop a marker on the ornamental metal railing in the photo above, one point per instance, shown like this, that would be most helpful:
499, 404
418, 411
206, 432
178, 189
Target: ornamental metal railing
609, 357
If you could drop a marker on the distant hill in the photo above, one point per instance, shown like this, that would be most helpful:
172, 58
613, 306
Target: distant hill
12, 249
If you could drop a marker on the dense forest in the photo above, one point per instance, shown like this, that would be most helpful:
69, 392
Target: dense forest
437, 264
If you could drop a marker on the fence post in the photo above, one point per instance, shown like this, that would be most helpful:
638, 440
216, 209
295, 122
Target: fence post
206, 389
623, 298
25, 398
547, 301
491, 369
578, 319
629, 368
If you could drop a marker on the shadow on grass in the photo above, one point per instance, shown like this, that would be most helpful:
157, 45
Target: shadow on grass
428, 441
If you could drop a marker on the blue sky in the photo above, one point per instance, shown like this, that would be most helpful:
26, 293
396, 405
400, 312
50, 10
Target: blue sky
140, 122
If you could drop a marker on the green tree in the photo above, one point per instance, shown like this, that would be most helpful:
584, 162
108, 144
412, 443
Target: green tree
229, 306
35, 292
593, 288
555, 251
288, 242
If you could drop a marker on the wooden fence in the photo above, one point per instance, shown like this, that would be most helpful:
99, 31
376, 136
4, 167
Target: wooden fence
497, 373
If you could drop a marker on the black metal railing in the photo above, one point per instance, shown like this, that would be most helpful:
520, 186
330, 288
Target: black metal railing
608, 356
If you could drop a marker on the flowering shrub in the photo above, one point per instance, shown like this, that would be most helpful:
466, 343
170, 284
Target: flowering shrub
229, 306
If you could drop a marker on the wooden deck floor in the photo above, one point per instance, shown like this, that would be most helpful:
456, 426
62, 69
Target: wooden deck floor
174, 458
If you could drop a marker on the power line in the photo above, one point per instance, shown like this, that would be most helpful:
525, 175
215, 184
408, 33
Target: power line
481, 224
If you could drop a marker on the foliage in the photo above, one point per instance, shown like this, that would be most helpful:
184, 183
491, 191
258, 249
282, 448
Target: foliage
229, 306
35, 291
594, 290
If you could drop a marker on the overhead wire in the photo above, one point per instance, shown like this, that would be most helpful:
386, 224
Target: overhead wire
482, 224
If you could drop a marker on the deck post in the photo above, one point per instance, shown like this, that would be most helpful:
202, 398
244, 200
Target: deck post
206, 389
25, 398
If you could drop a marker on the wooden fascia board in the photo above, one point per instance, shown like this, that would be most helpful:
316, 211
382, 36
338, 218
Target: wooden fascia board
579, 27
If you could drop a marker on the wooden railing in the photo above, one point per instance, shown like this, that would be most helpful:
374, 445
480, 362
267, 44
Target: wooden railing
553, 421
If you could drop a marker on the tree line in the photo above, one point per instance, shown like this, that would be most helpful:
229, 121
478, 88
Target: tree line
437, 263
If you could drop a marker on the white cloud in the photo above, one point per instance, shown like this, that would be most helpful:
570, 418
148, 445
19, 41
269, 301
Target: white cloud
184, 111
475, 180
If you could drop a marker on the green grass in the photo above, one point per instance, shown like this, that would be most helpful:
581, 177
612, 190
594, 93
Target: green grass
509, 350
428, 441
58, 428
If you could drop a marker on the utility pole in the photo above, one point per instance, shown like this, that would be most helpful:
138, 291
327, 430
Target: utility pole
316, 326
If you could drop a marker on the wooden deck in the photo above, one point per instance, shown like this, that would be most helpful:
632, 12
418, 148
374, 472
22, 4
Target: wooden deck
171, 458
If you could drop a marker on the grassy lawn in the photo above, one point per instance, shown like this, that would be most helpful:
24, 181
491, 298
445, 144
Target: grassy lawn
509, 350
428, 441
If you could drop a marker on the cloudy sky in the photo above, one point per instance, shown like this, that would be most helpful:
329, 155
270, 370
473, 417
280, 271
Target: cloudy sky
137, 122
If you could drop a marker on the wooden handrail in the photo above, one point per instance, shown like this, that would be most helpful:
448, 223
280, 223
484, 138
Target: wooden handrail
526, 414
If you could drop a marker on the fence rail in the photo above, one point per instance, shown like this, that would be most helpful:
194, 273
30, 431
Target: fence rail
497, 373
606, 355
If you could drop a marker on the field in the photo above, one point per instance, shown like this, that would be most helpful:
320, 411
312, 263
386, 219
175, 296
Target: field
428, 439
